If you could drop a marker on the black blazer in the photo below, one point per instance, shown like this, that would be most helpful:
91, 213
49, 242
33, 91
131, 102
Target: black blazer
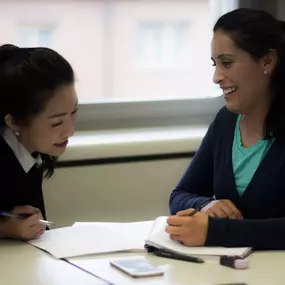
19, 188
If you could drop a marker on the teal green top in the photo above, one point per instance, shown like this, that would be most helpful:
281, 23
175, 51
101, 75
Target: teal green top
247, 160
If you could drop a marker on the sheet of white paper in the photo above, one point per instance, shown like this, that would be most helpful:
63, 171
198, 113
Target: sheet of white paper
158, 236
137, 232
82, 240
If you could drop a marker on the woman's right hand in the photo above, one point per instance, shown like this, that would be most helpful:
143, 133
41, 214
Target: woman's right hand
222, 209
23, 229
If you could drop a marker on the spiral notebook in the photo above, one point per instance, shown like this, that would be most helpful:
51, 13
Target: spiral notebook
158, 239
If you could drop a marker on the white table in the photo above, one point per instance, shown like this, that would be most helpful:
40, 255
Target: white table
266, 268
23, 264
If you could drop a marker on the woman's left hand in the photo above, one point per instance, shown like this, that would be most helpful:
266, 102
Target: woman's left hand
189, 230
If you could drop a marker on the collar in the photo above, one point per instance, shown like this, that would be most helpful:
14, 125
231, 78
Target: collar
24, 157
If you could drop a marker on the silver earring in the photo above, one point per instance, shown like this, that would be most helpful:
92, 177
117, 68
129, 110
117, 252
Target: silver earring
16, 134
265, 72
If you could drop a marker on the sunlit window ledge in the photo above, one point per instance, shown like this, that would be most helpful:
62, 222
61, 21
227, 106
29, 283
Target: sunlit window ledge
134, 142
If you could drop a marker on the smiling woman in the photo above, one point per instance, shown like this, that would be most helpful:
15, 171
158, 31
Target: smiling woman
37, 116
236, 178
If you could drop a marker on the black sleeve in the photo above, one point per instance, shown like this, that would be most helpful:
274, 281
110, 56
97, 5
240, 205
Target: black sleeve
266, 234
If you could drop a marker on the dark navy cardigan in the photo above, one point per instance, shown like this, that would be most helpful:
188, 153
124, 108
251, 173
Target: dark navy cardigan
210, 173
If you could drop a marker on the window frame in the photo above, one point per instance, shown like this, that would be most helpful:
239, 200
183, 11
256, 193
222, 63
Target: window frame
153, 113
146, 114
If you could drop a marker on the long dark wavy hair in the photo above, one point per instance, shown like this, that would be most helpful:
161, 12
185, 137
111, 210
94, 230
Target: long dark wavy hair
257, 32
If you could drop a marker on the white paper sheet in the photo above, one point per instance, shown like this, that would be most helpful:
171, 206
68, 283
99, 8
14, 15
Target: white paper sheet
137, 232
94, 238
85, 239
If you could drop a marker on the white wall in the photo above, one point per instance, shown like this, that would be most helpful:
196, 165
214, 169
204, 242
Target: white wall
119, 192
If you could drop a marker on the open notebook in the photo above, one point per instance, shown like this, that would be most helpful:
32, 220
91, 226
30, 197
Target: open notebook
159, 239
99, 238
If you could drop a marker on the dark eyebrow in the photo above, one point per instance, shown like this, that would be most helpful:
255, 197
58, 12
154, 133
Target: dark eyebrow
57, 115
220, 55
61, 114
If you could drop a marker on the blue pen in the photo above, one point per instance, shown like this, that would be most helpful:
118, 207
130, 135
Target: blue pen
24, 216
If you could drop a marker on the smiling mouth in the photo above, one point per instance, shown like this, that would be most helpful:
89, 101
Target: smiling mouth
230, 90
63, 144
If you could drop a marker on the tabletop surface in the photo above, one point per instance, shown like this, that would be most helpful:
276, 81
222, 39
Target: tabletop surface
24, 264
264, 268
21, 263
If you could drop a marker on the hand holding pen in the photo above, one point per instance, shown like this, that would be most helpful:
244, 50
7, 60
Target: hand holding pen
23, 222
190, 227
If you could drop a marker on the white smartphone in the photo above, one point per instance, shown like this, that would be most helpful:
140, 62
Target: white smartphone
137, 267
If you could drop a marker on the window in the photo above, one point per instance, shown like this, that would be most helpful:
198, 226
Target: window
136, 59
34, 36
161, 45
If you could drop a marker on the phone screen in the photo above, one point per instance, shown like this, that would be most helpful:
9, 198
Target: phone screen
137, 267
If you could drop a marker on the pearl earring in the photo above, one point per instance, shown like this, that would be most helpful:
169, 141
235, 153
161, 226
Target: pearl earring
265, 72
